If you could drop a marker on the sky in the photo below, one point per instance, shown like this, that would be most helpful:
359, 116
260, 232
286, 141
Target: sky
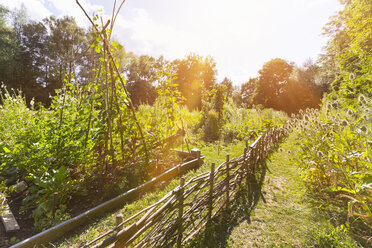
241, 35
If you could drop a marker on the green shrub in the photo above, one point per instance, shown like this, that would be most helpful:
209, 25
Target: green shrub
336, 157
333, 238
211, 128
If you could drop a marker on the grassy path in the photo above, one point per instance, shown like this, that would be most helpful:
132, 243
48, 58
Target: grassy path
288, 218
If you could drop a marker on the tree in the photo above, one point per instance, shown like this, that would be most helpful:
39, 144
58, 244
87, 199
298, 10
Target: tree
141, 76
229, 86
349, 49
213, 112
6, 46
19, 70
283, 86
65, 45
247, 91
195, 74
37, 56
274, 75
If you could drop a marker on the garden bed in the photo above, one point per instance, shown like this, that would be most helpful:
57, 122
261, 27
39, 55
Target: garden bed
78, 206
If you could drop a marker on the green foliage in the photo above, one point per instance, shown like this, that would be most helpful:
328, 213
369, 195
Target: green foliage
245, 124
90, 135
141, 76
336, 157
194, 75
333, 237
229, 87
168, 101
247, 92
36, 55
49, 194
213, 112
31, 150
211, 127
284, 87
349, 49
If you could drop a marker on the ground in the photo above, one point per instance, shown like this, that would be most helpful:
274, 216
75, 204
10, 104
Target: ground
290, 217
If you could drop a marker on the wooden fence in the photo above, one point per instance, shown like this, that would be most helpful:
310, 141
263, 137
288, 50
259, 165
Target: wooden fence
182, 213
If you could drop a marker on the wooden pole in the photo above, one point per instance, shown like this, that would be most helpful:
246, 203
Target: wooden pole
119, 219
247, 165
211, 179
227, 180
254, 158
244, 160
180, 212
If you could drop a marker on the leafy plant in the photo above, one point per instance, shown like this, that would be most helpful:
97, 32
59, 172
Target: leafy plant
336, 157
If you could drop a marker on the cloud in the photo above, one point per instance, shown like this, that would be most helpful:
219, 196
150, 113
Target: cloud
144, 35
35, 8
70, 7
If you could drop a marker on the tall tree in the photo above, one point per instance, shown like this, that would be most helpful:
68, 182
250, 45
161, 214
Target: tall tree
36, 56
195, 74
283, 86
65, 42
229, 86
6, 46
349, 48
247, 91
141, 76
274, 75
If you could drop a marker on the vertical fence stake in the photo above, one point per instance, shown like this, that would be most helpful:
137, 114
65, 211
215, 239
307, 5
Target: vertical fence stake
211, 179
254, 158
119, 219
180, 212
227, 180
244, 160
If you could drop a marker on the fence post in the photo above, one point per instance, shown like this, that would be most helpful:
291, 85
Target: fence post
119, 220
248, 164
244, 159
227, 180
254, 158
180, 212
211, 179
261, 148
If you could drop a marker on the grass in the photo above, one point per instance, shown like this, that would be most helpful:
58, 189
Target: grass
290, 217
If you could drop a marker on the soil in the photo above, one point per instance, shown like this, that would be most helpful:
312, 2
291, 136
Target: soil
25, 223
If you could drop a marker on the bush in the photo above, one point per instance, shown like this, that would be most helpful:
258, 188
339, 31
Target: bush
211, 128
336, 157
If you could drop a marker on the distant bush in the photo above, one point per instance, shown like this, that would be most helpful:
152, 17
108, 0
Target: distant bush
211, 128
243, 124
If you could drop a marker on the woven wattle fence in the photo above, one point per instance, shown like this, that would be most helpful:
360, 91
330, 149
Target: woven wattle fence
184, 212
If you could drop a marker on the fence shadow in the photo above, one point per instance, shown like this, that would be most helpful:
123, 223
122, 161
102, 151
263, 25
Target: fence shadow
218, 230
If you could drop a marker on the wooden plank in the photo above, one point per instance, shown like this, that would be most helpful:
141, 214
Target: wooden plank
8, 219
